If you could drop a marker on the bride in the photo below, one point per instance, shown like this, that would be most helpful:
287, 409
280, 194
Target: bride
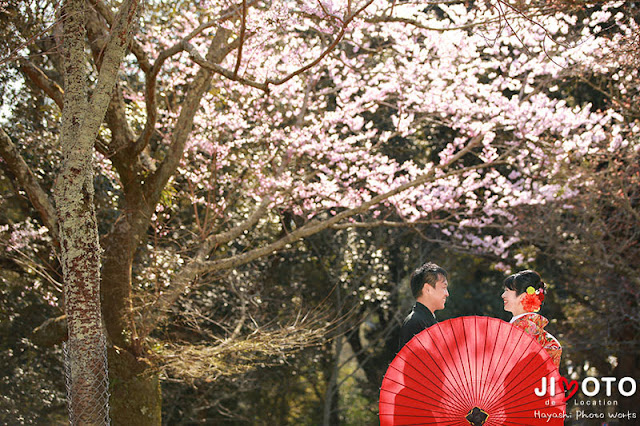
523, 295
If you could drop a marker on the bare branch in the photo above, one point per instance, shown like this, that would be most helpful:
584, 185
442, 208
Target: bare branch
40, 79
121, 133
13, 55
198, 59
231, 75
243, 28
239, 355
40, 267
29, 183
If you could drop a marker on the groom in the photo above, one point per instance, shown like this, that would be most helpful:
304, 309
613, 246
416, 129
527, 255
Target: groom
429, 287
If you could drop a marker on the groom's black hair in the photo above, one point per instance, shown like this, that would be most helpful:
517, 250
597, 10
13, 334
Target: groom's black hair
523, 279
429, 273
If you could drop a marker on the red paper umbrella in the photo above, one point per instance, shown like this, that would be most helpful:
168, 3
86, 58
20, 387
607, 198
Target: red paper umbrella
472, 371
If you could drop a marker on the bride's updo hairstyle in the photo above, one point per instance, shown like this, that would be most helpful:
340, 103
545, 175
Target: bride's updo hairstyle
529, 282
523, 279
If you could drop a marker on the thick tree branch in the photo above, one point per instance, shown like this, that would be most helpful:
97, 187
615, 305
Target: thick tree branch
385, 223
151, 74
29, 183
155, 184
136, 49
113, 53
52, 332
40, 79
199, 265
235, 232
121, 133
416, 23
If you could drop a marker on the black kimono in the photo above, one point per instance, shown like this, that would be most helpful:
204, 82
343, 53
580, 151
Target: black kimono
419, 319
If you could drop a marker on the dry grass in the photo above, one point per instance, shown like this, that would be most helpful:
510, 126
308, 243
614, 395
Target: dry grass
211, 361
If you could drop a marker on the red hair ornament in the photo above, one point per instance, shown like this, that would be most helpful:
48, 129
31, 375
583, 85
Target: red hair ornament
533, 299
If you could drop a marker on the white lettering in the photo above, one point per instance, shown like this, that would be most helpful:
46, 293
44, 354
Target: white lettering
627, 415
585, 415
608, 381
596, 386
543, 387
542, 415
542, 391
621, 386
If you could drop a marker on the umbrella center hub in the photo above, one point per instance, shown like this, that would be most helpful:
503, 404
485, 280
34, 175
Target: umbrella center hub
477, 416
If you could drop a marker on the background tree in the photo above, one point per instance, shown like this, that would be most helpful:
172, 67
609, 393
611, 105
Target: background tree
248, 127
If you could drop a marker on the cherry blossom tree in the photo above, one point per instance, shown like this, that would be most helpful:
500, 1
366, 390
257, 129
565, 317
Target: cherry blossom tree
236, 129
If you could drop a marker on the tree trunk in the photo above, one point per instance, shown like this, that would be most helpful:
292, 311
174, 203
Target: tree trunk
135, 383
628, 366
135, 390
78, 232
116, 288
331, 397
332, 394
80, 250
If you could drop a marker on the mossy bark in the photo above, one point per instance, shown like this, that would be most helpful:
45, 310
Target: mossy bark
134, 385
78, 233
80, 249
134, 382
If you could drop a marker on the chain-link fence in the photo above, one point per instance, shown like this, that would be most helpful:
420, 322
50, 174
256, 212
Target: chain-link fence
87, 380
